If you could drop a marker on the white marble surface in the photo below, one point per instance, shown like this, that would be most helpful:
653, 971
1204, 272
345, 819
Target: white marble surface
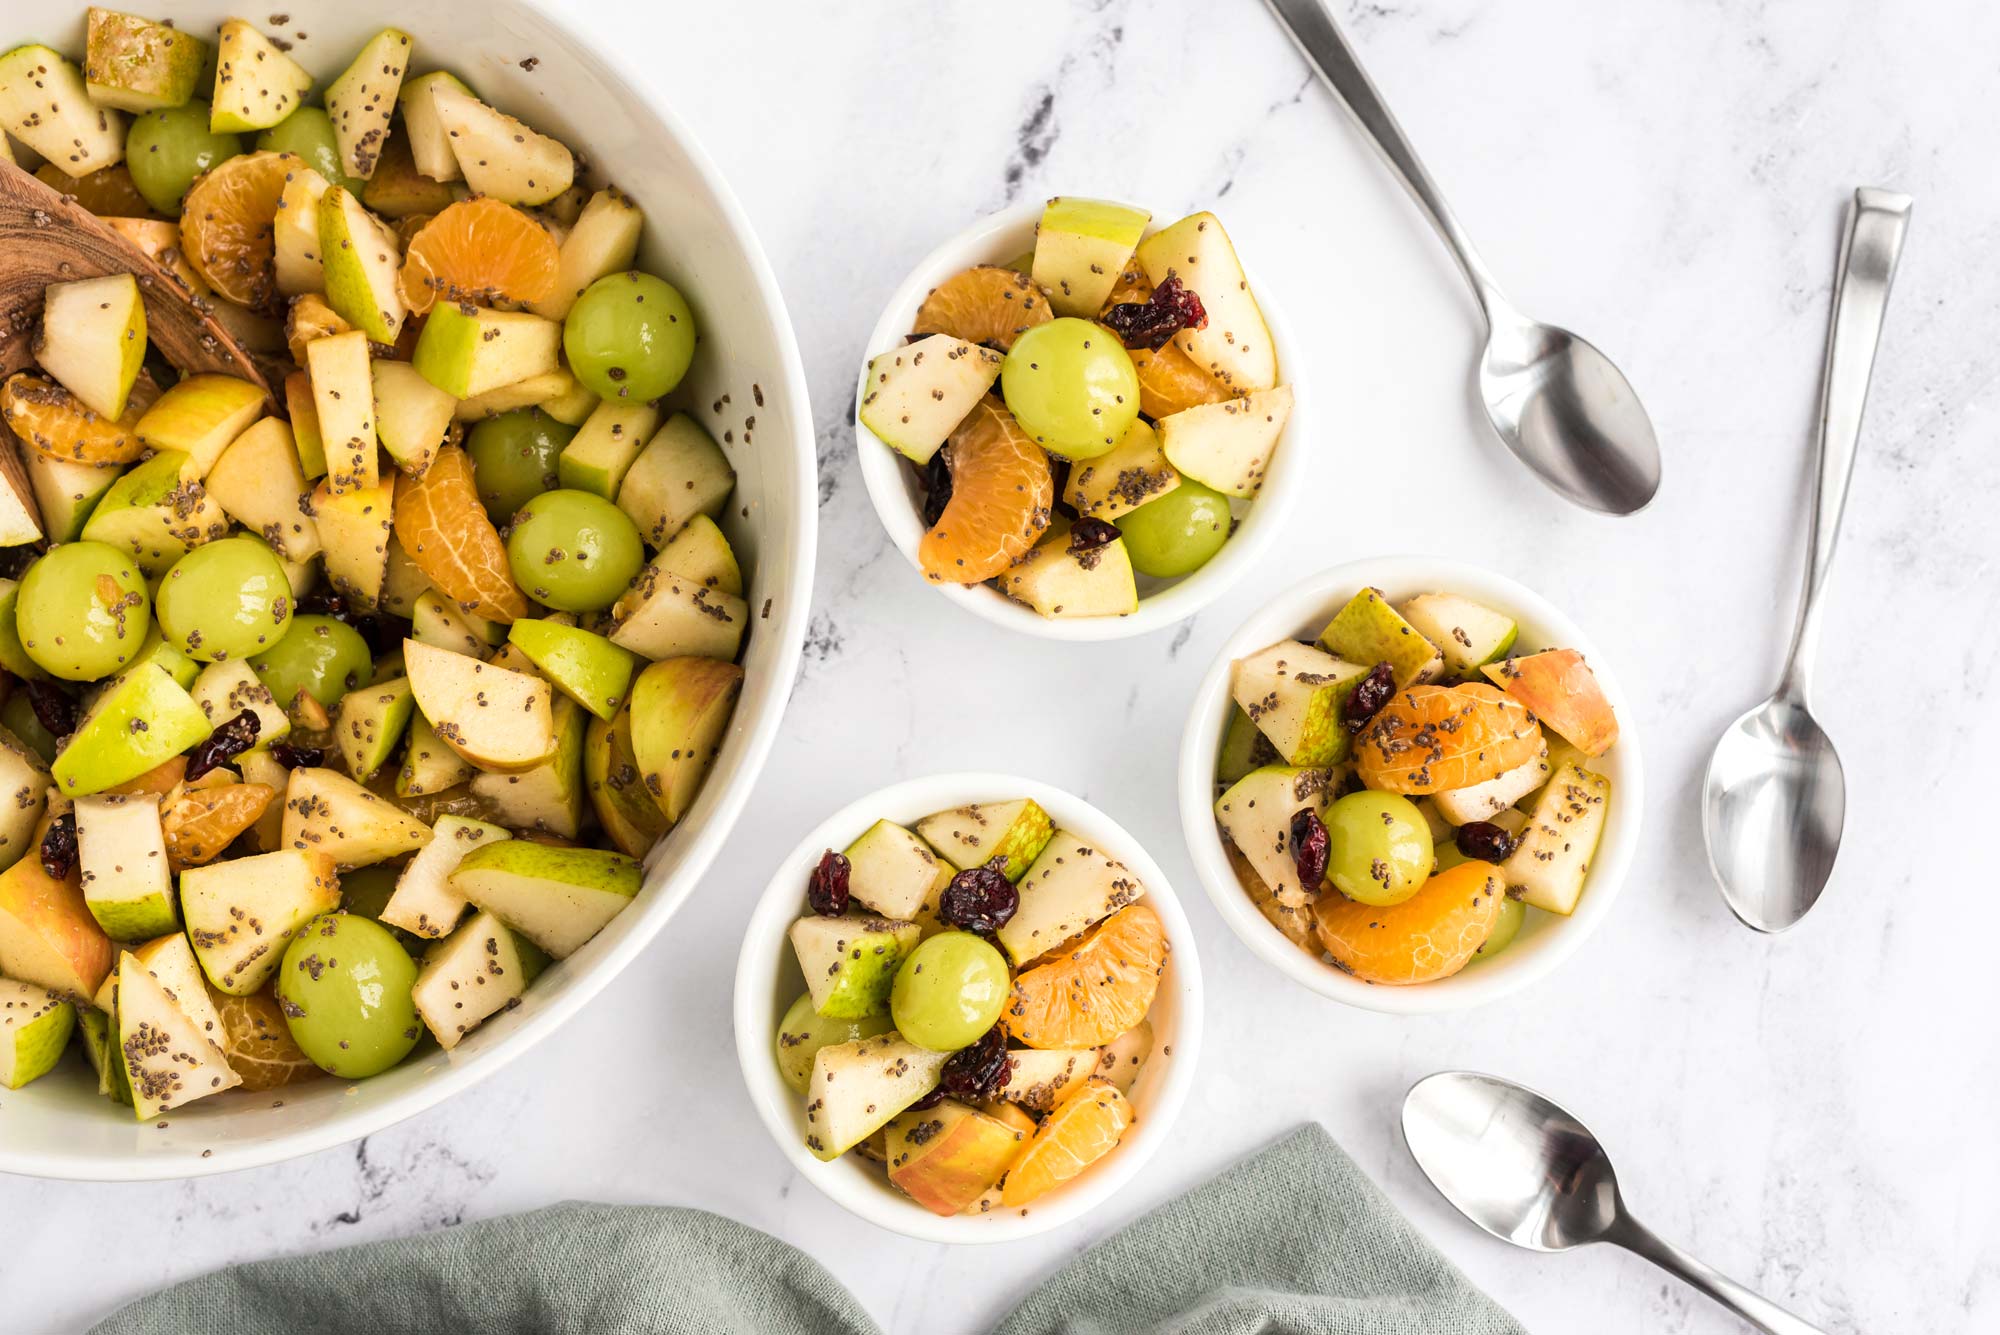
1810, 1113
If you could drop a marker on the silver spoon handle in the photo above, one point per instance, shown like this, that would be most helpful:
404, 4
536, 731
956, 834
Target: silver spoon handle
1759, 1311
1876, 223
1319, 39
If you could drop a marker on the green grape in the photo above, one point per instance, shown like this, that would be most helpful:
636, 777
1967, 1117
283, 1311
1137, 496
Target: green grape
18, 717
308, 132
804, 1031
82, 611
1505, 928
320, 656
345, 990
1070, 384
228, 599
629, 337
949, 991
1379, 848
365, 892
166, 149
514, 459
1177, 533
573, 551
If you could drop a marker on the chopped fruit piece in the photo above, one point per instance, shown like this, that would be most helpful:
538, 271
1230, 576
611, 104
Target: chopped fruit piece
227, 226
35, 1025
1001, 500
604, 240
354, 532
483, 969
1060, 579
108, 747
200, 824
1235, 345
1553, 857
1256, 816
1228, 445
430, 142
168, 1060
362, 100
398, 190
681, 473
371, 723
891, 871
122, 861
47, 934
498, 155
1113, 484
1368, 630
556, 897
988, 305
1436, 738
1562, 691
304, 416
256, 83
549, 798
135, 64
1081, 246
681, 708
1431, 935
947, 1157
24, 780
201, 416
241, 913
1071, 885
850, 963
360, 260
108, 192
972, 836
1089, 993
496, 719
467, 350
413, 417
804, 1031
1074, 1136
611, 779
858, 1087
917, 393
226, 689
1121, 1060
330, 814
1482, 801
605, 447
1169, 380
156, 514
1042, 1079
93, 340
259, 1044
588, 668
1467, 634
444, 530
424, 903
665, 616
44, 104
57, 425
258, 483
1294, 693
702, 553
479, 251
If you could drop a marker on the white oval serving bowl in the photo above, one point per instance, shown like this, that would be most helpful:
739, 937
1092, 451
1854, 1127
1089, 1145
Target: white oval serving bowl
768, 981
1546, 939
697, 237
892, 484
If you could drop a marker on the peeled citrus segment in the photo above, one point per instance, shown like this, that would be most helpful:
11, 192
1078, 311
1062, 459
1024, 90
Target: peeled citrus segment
258, 1042
444, 529
226, 226
1087, 994
481, 251
1170, 381
54, 424
1002, 491
202, 822
1083, 1129
1431, 935
986, 304
1432, 739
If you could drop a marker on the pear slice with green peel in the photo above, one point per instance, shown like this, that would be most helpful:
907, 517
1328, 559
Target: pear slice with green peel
93, 340
1468, 634
44, 104
482, 969
363, 100
122, 861
370, 723
605, 446
556, 897
343, 392
154, 513
66, 492
256, 83
468, 350
804, 1031
858, 1088
241, 913
498, 155
295, 233
850, 962
430, 142
360, 260
24, 786
258, 483
1235, 344
549, 797
1294, 693
701, 553
201, 416
1072, 885
972, 836
588, 668
35, 1025
328, 813
617, 794
681, 708
666, 615
604, 240
914, 395
681, 473
1228, 445
142, 718
497, 719
424, 902
354, 529
412, 416
429, 766
136, 64
1368, 630
1081, 246
168, 1061
1256, 816
439, 622
47, 934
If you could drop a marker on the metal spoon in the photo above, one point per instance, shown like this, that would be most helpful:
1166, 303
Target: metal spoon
1774, 798
1556, 401
1527, 1172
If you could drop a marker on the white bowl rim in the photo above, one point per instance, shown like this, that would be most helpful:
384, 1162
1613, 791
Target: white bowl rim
756, 1017
1493, 979
794, 609
882, 468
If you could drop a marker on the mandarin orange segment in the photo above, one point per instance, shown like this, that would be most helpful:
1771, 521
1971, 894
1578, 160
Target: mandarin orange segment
1432, 739
259, 1043
1002, 492
163, 778
987, 304
1083, 1129
226, 225
444, 530
481, 251
1090, 993
1170, 381
56, 426
1431, 935
201, 822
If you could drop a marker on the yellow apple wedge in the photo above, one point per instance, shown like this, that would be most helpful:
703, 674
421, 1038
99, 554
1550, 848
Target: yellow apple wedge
680, 709
496, 719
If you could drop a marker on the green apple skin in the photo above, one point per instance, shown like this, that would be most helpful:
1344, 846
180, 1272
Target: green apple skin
804, 1031
588, 668
556, 897
141, 720
465, 355
155, 514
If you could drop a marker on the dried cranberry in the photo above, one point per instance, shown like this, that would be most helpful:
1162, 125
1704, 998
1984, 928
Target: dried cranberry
1310, 846
928, 1101
980, 1071
1365, 701
59, 846
54, 710
937, 489
1153, 323
1087, 535
297, 757
14, 561
979, 899
826, 889
231, 739
1484, 841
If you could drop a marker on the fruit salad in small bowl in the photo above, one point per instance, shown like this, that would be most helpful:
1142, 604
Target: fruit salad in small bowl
967, 1007
1079, 424
1411, 785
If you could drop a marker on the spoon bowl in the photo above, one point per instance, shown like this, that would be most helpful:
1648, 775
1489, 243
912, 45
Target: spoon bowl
1570, 415
1772, 807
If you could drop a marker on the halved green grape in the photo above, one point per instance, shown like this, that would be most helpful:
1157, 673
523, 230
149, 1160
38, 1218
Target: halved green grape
804, 1031
630, 337
1380, 847
573, 551
166, 149
1505, 928
320, 656
1177, 533
1071, 386
308, 132
228, 599
949, 991
514, 459
82, 611
345, 989
18, 717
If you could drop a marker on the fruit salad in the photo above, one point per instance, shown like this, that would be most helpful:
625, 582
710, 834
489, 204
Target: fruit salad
1086, 422
1400, 793
342, 696
975, 1012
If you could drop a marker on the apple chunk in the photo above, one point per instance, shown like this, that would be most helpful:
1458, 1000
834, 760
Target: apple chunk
947, 1157
479, 971
1228, 445
241, 913
93, 340
1234, 345
1559, 688
168, 1060
122, 860
914, 395
47, 934
467, 351
259, 484
495, 718
142, 718
35, 1025
363, 99
424, 903
680, 709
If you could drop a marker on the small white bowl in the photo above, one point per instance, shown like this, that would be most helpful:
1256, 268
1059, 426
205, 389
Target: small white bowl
768, 981
892, 486
1546, 939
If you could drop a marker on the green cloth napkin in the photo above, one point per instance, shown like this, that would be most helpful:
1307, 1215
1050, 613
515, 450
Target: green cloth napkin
1294, 1241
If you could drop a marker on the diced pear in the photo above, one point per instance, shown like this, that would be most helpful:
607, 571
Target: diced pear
1057, 582
556, 897
153, 512
122, 862
702, 553
343, 390
498, 155
354, 530
544, 391
363, 99
1041, 1078
1294, 694
480, 971
469, 350
1469, 634
227, 688
359, 261
1134, 472
201, 416
1120, 1060
1234, 345
299, 406
617, 793
1483, 801
1070, 886
242, 912
142, 718
1368, 630
604, 240
495, 718
681, 473
44, 104
24, 785
549, 797
430, 142
1228, 445
328, 813
437, 621
588, 668
667, 616
850, 962
136, 64
256, 84
914, 395
890, 870
47, 934
972, 836
168, 1060
295, 233
35, 1025
857, 1088
257, 481
93, 339
429, 766
370, 723
65, 492
604, 447
681, 708
424, 902
1552, 860
1256, 816
412, 416
1081, 246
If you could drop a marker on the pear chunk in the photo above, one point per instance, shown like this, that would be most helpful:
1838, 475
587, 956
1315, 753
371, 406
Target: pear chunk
295, 233
495, 718
702, 553
549, 797
429, 766
363, 99
136, 64
666, 616
44, 104
1235, 345
1256, 816
258, 483
891, 871
1134, 472
858, 1088
430, 142
467, 351
359, 262
556, 897
481, 970
1228, 445
35, 1025
168, 1060
680, 709
354, 528
1057, 582
850, 962
24, 785
330, 814
424, 902
201, 416
241, 913
914, 395
972, 836
225, 689
412, 416
1470, 635
93, 340
1368, 630
604, 448
1553, 858
1070, 886
256, 84
604, 240
122, 860
1294, 693
343, 392
681, 473
370, 723
498, 155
